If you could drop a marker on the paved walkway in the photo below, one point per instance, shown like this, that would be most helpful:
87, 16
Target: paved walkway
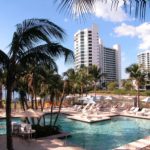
42, 144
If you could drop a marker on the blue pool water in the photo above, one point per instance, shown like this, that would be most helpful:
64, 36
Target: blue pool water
3, 124
104, 135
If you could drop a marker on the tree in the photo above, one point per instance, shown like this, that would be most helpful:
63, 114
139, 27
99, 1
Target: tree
26, 48
127, 84
111, 86
71, 76
97, 75
136, 74
78, 7
2, 82
83, 78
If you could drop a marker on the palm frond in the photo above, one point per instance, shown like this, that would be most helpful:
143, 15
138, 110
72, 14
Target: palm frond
54, 50
76, 7
80, 7
4, 59
35, 57
34, 31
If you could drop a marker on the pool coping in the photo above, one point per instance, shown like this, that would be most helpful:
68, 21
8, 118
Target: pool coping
140, 144
57, 136
88, 120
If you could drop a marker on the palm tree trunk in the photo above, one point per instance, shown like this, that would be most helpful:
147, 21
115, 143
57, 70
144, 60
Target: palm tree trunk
58, 113
51, 114
1, 95
138, 97
61, 101
8, 112
82, 90
95, 89
32, 102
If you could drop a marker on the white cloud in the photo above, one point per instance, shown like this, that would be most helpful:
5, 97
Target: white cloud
103, 10
142, 32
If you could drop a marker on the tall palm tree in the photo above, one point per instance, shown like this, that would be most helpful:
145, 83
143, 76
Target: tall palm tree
136, 74
26, 48
78, 7
97, 75
83, 78
2, 81
71, 76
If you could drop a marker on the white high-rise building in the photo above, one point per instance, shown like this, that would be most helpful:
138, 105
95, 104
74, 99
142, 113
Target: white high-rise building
144, 60
89, 50
86, 44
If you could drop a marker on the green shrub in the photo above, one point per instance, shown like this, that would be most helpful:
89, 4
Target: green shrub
43, 131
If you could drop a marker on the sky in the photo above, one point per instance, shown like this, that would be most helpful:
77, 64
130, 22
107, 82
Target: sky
115, 27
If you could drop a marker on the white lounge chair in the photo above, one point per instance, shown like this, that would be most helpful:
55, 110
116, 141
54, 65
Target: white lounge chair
136, 109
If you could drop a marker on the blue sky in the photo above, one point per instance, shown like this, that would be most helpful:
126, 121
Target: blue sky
114, 27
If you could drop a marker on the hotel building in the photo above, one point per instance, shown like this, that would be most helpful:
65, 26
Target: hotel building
144, 60
89, 50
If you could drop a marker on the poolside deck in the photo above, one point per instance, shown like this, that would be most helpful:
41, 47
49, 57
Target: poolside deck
40, 144
142, 144
55, 144
88, 119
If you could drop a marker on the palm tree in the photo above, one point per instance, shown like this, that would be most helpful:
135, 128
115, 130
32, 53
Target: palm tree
2, 80
136, 74
71, 76
78, 7
97, 75
83, 78
25, 48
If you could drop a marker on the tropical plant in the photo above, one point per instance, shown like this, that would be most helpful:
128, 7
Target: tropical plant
71, 76
31, 44
2, 82
136, 74
78, 7
111, 86
84, 79
127, 85
96, 75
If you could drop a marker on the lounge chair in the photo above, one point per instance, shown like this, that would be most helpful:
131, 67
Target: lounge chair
142, 112
134, 111
26, 131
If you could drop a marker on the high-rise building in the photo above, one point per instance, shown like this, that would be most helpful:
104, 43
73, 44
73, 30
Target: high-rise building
89, 50
86, 44
144, 62
144, 59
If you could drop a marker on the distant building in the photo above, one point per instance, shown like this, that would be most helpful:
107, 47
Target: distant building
89, 50
144, 62
144, 59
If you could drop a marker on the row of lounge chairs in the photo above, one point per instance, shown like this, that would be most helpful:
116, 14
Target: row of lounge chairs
97, 108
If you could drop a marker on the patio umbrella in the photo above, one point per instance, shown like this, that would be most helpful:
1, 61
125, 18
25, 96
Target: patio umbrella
147, 99
31, 114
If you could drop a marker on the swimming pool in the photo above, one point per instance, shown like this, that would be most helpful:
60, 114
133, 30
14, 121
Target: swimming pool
104, 135
3, 124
